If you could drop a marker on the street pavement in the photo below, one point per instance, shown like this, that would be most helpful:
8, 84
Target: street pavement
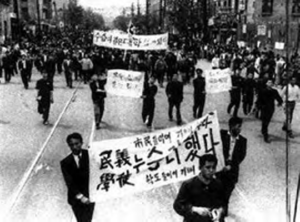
27, 144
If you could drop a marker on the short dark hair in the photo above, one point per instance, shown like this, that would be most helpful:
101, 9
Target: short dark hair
74, 136
207, 158
235, 121
200, 70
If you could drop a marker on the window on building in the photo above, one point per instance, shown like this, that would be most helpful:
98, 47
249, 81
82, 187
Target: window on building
296, 7
267, 7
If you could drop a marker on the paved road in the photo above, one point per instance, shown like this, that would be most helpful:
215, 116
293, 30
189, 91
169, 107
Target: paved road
260, 195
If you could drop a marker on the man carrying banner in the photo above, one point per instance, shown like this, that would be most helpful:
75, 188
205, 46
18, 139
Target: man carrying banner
149, 102
201, 198
75, 170
98, 95
199, 94
174, 92
234, 151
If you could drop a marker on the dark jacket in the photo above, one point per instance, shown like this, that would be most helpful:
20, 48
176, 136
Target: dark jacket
98, 96
194, 192
238, 155
175, 91
77, 179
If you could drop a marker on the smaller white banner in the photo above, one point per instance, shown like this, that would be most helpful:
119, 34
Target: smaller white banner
125, 83
218, 80
279, 45
261, 30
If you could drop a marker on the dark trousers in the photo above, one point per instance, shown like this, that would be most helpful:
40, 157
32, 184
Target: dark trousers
266, 116
51, 76
177, 106
247, 103
229, 180
7, 74
83, 212
0, 72
59, 66
24, 76
289, 110
44, 108
85, 74
160, 75
69, 80
235, 100
99, 110
198, 107
77, 74
148, 111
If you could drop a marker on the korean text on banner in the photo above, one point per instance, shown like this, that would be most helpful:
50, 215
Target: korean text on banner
218, 80
129, 165
130, 42
125, 83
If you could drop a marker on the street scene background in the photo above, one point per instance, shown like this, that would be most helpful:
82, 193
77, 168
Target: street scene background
259, 196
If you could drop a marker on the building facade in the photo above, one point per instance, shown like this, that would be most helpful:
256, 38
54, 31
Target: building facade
5, 30
270, 17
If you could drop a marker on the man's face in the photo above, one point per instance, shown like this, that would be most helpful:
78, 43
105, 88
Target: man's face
75, 146
269, 84
236, 129
208, 170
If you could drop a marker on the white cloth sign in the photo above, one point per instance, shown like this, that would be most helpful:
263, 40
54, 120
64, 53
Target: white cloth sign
130, 42
217, 80
279, 45
261, 30
143, 162
125, 83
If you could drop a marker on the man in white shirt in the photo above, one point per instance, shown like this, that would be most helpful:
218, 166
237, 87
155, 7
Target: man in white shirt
292, 91
215, 62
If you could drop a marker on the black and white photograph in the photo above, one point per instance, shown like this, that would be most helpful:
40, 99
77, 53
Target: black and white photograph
149, 110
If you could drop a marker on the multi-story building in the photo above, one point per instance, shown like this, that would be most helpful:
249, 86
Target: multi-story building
270, 17
4, 20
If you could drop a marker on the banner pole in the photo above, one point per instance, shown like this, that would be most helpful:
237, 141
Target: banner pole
288, 213
296, 201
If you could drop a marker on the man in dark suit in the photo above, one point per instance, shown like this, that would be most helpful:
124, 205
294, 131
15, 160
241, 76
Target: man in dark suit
174, 92
75, 169
97, 86
234, 151
24, 69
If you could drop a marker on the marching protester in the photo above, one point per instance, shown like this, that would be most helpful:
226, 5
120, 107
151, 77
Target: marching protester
160, 69
68, 65
24, 70
248, 91
75, 170
235, 92
234, 151
86, 68
292, 97
267, 104
174, 91
149, 93
202, 198
199, 94
97, 86
44, 96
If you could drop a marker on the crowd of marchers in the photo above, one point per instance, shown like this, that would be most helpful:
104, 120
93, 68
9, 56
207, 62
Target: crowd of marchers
259, 78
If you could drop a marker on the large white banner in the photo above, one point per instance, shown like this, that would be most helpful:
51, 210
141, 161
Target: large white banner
217, 80
125, 83
142, 162
130, 42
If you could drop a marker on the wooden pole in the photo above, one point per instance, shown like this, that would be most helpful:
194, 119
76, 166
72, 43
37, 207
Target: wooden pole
287, 29
296, 201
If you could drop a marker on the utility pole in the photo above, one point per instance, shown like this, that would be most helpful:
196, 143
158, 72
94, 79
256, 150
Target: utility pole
287, 40
38, 16
147, 16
